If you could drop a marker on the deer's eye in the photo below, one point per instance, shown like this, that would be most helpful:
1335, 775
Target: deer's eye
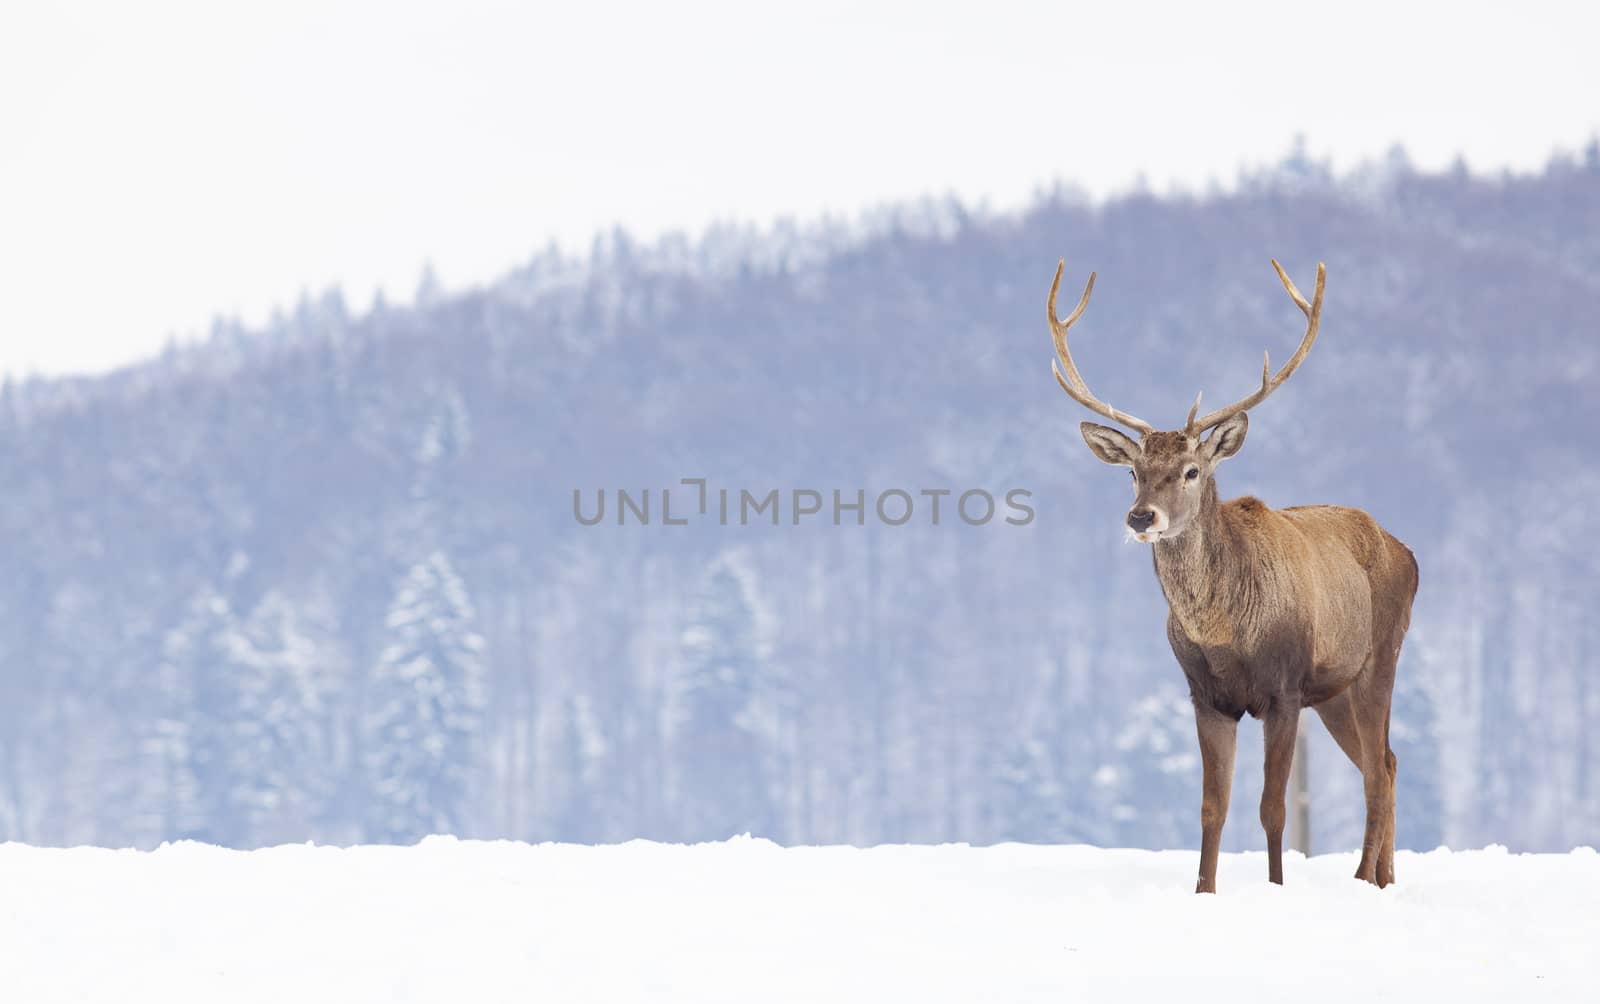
1191, 473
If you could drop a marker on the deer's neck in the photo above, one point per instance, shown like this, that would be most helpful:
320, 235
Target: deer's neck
1198, 575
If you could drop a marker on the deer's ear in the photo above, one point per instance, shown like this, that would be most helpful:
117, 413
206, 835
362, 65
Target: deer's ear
1109, 444
1226, 438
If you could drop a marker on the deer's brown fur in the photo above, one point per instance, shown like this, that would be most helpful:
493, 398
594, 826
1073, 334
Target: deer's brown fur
1269, 610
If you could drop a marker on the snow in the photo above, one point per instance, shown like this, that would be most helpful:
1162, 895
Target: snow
466, 921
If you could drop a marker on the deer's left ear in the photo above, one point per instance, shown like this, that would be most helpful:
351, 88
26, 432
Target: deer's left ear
1226, 438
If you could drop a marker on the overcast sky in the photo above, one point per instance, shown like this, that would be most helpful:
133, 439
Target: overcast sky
161, 163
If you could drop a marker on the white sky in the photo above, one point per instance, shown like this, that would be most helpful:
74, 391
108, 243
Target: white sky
164, 162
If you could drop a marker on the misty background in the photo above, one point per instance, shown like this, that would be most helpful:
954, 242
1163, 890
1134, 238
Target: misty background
320, 579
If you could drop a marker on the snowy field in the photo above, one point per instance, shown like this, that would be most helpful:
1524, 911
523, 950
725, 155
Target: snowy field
745, 920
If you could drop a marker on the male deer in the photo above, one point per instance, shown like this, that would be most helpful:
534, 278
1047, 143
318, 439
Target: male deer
1269, 610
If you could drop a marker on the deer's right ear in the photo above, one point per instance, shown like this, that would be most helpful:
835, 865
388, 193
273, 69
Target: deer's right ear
1109, 445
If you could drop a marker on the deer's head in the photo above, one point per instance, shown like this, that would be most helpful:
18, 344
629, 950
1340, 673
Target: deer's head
1172, 471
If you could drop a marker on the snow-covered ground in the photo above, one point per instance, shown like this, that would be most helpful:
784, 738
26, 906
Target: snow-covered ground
745, 920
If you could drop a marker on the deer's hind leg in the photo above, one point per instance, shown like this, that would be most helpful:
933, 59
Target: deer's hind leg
1386, 851
1358, 720
1392, 620
1378, 712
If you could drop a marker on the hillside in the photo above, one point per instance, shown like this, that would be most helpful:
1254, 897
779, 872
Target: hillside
227, 567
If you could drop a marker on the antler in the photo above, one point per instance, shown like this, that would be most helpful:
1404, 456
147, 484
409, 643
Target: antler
1313, 312
1073, 383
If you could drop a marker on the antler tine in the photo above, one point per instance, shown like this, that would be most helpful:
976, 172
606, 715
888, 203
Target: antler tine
1058, 329
1288, 284
1270, 382
1073, 382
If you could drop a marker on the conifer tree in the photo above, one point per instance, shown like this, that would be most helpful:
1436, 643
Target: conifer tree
723, 788
425, 704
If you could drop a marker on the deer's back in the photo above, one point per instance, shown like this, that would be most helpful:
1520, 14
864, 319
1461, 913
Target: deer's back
1336, 531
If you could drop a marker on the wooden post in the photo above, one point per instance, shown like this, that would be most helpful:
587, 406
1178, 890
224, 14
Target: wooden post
1300, 794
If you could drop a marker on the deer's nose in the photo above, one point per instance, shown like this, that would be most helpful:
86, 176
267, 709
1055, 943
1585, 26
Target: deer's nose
1140, 519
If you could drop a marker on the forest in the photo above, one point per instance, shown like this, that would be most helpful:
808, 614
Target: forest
324, 579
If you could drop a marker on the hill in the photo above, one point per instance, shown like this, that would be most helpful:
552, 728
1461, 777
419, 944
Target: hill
325, 581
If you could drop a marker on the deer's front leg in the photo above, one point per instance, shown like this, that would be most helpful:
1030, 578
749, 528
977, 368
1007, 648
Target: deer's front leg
1218, 736
1279, 725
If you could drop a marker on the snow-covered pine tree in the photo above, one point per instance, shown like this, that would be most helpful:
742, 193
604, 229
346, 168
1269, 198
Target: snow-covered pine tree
231, 747
279, 760
184, 747
425, 703
425, 698
722, 786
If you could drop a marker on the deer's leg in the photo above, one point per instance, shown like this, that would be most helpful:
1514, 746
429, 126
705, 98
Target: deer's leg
1386, 849
1380, 804
1374, 711
1218, 737
1340, 719
1373, 695
1279, 726
1345, 723
1370, 702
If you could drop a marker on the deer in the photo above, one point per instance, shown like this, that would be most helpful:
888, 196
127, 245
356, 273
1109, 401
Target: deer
1268, 610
